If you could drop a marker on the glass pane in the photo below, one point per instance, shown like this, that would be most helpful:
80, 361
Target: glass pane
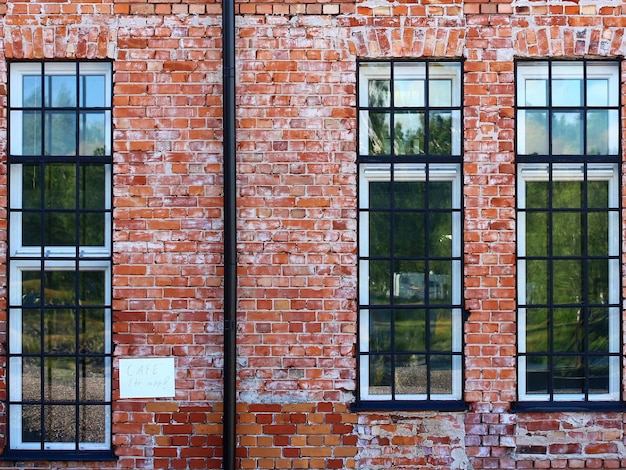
31, 423
567, 133
410, 330
537, 234
92, 229
57, 427
537, 194
441, 374
379, 233
59, 331
569, 373
440, 92
440, 236
440, 330
533, 136
537, 330
597, 194
91, 185
379, 136
597, 92
91, 287
31, 379
537, 374
31, 187
92, 91
568, 281
440, 133
408, 133
439, 278
411, 374
60, 91
568, 330
408, 286
31, 289
598, 239
536, 92
379, 282
440, 195
380, 195
410, 235
60, 134
598, 280
60, 229
380, 375
31, 132
60, 288
59, 376
409, 195
599, 374
31, 327
602, 132
598, 337
92, 419
568, 194
31, 91
537, 278
408, 93
567, 237
379, 94
60, 190
91, 332
92, 383
380, 330
567, 92
93, 138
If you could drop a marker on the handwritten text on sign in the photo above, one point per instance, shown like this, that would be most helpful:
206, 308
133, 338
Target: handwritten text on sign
147, 377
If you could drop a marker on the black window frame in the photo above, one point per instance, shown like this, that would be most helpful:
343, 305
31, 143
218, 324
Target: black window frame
395, 167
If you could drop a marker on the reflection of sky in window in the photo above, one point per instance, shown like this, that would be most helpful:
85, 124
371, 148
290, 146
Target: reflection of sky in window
597, 92
31, 84
408, 93
440, 93
92, 91
566, 92
536, 93
61, 91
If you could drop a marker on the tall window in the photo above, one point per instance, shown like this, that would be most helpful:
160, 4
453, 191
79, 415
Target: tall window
60, 259
410, 313
568, 231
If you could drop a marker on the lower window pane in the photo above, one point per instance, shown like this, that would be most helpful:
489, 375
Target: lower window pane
92, 423
537, 375
60, 423
441, 374
59, 379
569, 374
411, 373
380, 375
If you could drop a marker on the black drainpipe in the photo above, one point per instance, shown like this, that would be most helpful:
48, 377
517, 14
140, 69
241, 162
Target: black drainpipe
230, 236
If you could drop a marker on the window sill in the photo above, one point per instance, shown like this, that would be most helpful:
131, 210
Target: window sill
556, 406
58, 455
451, 405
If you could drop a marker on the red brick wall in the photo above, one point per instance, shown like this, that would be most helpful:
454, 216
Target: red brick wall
297, 224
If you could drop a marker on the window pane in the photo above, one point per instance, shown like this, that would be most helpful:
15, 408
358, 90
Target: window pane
533, 140
31, 423
567, 92
440, 93
59, 332
536, 92
92, 228
408, 133
92, 423
411, 374
537, 330
378, 131
60, 91
91, 287
598, 280
58, 428
31, 378
440, 195
379, 94
31, 327
537, 279
440, 236
31, 186
59, 287
60, 134
598, 92
567, 133
598, 330
568, 194
569, 373
598, 194
60, 186
93, 139
379, 282
92, 381
568, 330
537, 194
537, 234
410, 234
380, 194
602, 132
380, 375
439, 279
440, 133
409, 286
568, 281
92, 91
408, 93
444, 92
599, 374
567, 234
31, 86
31, 132
379, 234
59, 375
440, 330
441, 374
598, 239
60, 229
91, 331
409, 195
410, 330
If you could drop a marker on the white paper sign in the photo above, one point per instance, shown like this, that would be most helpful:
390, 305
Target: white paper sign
147, 377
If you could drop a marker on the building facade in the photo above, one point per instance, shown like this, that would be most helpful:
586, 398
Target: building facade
429, 234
